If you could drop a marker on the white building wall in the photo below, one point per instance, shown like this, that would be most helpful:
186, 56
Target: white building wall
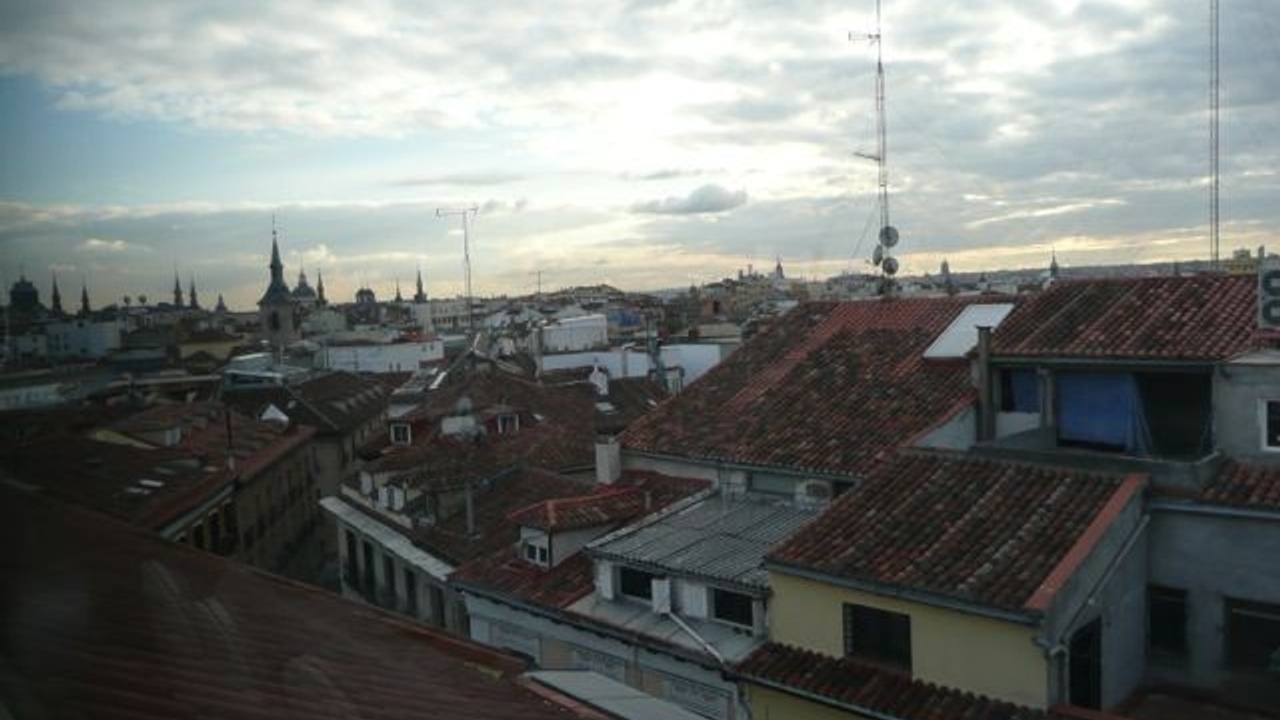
82, 339
576, 334
392, 357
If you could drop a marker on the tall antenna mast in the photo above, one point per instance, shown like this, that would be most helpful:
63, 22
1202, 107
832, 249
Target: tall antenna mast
1213, 134
888, 233
466, 256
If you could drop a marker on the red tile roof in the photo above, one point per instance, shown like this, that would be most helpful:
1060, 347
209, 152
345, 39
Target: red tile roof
1205, 317
608, 505
830, 387
1247, 485
504, 573
105, 621
852, 684
990, 532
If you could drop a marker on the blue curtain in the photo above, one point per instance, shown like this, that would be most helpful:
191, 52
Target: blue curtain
1101, 408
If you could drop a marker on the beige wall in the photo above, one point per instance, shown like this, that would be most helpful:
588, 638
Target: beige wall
767, 704
969, 652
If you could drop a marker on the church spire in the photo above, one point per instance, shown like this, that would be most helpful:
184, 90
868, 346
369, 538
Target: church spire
320, 288
84, 299
421, 295
57, 297
177, 290
191, 296
399, 298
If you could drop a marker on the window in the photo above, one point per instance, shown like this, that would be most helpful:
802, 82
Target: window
535, 553
1270, 424
1253, 635
508, 423
1167, 622
389, 574
878, 635
197, 535
772, 484
635, 583
1019, 391
400, 434
410, 591
732, 607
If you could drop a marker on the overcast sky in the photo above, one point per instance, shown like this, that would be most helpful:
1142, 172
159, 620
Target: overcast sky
646, 144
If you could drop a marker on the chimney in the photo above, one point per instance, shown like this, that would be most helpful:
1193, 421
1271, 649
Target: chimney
608, 461
986, 396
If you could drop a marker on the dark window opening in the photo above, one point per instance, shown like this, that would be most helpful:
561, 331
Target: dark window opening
410, 591
389, 574
1253, 635
1019, 391
732, 607
1167, 623
197, 535
1271, 425
367, 550
1178, 410
353, 576
878, 635
635, 583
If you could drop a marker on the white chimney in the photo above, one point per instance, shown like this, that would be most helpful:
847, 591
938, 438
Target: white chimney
608, 461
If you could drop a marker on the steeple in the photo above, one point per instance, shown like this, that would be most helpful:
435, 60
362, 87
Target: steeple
277, 291
399, 298
191, 296
421, 295
221, 307
57, 297
84, 299
320, 288
177, 290
1053, 266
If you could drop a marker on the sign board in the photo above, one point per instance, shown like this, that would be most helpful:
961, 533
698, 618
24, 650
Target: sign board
1269, 293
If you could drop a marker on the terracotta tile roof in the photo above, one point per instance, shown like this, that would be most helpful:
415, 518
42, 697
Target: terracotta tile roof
332, 402
830, 387
105, 621
991, 532
607, 506
449, 539
1246, 485
504, 573
850, 683
1205, 317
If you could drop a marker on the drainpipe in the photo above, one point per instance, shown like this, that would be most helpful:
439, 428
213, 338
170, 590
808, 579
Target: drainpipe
986, 396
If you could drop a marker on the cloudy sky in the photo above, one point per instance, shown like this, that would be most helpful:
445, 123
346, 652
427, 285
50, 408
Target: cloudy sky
646, 144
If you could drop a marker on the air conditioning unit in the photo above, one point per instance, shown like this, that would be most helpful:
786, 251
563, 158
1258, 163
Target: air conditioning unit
1269, 293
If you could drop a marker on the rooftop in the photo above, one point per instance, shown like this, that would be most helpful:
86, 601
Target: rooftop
983, 531
108, 621
1253, 485
826, 372
720, 537
858, 686
1198, 318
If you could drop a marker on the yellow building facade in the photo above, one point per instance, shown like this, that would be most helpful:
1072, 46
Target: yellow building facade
980, 654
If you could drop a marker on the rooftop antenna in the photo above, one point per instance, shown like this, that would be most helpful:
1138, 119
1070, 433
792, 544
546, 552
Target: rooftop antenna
466, 255
1213, 135
888, 233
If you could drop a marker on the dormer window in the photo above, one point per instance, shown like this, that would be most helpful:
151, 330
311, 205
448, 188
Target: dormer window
636, 584
536, 554
508, 423
400, 434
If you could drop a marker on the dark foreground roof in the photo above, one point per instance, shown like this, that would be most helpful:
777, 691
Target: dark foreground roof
101, 620
831, 387
990, 532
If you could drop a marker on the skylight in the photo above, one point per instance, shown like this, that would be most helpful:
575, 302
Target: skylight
962, 334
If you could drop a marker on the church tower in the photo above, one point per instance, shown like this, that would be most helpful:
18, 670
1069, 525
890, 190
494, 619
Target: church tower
192, 301
57, 298
177, 291
277, 310
420, 296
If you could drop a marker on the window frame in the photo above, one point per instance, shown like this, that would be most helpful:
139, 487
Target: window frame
1167, 648
1232, 610
886, 644
714, 608
624, 571
1264, 417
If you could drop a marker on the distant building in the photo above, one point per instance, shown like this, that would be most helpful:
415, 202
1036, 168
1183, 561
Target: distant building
278, 310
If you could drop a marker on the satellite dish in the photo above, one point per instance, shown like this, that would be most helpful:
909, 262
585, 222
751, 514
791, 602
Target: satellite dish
878, 255
890, 266
888, 236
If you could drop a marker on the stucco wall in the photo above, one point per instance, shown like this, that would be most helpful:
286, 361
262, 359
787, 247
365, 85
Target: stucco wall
1237, 390
1212, 557
974, 653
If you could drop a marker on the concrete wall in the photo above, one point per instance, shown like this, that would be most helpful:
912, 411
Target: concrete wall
1238, 390
1212, 557
971, 652
958, 433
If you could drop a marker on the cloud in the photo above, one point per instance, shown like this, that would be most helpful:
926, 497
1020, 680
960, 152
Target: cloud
706, 199
98, 245
465, 179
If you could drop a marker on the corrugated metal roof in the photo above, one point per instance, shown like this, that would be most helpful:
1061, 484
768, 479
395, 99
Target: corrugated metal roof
722, 538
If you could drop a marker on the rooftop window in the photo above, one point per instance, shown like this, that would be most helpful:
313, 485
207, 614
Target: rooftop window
878, 635
635, 583
732, 607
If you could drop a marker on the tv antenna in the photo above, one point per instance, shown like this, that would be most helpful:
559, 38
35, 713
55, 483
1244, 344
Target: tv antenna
888, 236
466, 255
1213, 134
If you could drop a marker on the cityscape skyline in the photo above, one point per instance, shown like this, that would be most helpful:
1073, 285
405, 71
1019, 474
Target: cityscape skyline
645, 145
